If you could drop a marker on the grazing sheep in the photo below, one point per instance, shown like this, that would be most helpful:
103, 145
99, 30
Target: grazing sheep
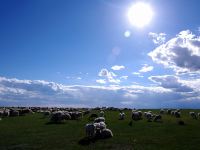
101, 114
172, 113
149, 117
136, 116
1, 112
90, 130
198, 114
106, 133
76, 115
177, 114
6, 113
100, 125
67, 116
57, 117
121, 116
47, 113
14, 113
193, 115
162, 111
140, 113
157, 118
99, 119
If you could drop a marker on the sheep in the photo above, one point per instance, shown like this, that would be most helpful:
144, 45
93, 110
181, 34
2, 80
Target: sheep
57, 116
149, 117
67, 116
136, 116
75, 115
198, 114
140, 113
172, 113
157, 118
6, 113
100, 125
14, 113
193, 115
162, 111
47, 113
101, 114
121, 116
1, 113
99, 119
106, 133
177, 114
90, 130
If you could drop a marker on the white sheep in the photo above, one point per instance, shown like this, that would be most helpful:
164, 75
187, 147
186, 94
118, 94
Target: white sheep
162, 111
101, 114
157, 118
198, 114
121, 116
106, 133
99, 119
136, 116
177, 114
14, 113
90, 130
193, 115
149, 116
100, 125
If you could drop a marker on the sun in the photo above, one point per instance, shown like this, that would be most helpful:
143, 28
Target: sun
140, 14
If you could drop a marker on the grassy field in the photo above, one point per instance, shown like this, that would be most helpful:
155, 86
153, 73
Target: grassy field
33, 132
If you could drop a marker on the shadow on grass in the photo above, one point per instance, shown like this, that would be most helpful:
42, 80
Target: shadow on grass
90, 140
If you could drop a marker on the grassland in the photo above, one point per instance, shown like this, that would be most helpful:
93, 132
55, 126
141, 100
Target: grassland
33, 132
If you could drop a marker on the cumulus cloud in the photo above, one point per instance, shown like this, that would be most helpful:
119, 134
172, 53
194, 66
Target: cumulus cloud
158, 38
181, 53
110, 76
138, 74
124, 77
146, 68
171, 82
15, 92
116, 67
101, 81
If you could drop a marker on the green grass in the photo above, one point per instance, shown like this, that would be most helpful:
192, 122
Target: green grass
32, 132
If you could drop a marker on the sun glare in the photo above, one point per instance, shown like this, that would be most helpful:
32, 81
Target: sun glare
140, 14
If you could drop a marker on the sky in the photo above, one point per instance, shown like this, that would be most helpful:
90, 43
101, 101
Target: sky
78, 53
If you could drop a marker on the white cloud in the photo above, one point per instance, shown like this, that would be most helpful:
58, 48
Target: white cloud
181, 53
158, 38
116, 67
146, 68
171, 82
110, 76
79, 78
169, 92
136, 73
101, 81
124, 77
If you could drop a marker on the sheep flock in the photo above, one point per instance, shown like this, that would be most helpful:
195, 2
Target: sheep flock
96, 127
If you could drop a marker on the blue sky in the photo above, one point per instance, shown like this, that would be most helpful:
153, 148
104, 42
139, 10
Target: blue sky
51, 48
